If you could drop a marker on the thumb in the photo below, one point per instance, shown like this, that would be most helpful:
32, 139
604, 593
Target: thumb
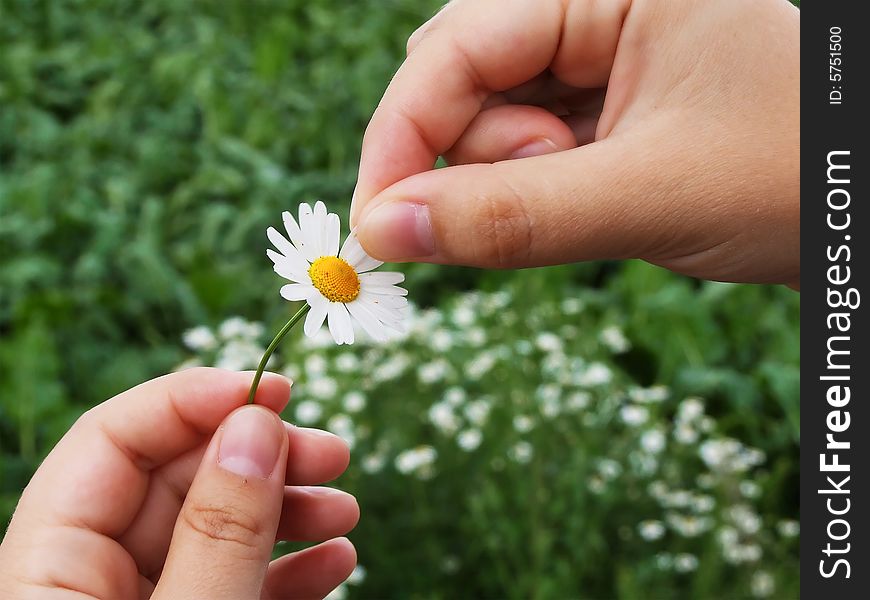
225, 532
615, 198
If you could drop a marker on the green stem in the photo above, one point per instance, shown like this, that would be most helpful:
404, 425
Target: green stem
277, 340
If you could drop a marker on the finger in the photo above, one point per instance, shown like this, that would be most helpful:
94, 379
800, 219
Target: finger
314, 457
97, 475
591, 202
472, 53
310, 573
312, 514
511, 131
226, 529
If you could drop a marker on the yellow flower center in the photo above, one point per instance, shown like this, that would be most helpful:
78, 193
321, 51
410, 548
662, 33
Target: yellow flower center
335, 279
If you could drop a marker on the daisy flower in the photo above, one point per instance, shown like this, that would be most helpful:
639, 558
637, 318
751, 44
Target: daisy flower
338, 285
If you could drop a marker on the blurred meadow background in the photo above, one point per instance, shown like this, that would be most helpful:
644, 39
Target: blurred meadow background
594, 431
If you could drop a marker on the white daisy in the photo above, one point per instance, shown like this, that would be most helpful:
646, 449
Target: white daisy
335, 284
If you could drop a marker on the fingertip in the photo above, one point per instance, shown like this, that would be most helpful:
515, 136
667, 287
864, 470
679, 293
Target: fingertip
273, 391
315, 456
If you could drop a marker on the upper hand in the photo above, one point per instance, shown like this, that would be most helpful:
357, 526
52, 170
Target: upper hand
665, 130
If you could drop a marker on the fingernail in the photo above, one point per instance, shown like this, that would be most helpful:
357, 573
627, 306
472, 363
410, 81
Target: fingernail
352, 217
400, 230
250, 443
535, 148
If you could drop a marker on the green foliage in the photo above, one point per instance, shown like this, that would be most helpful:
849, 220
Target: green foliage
144, 149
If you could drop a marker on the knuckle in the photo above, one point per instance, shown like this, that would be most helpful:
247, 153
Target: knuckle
503, 229
222, 525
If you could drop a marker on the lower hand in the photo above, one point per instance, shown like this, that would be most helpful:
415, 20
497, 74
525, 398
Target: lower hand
175, 489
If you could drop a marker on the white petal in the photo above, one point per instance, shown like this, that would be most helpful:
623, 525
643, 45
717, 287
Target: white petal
390, 318
382, 278
340, 325
392, 302
354, 254
295, 233
369, 322
297, 291
333, 232
288, 269
386, 290
368, 264
317, 314
320, 219
286, 248
308, 228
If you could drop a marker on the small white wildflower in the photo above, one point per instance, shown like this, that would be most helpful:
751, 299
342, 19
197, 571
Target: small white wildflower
354, 402
548, 342
441, 340
578, 400
703, 503
652, 441
469, 439
480, 365
685, 563
463, 316
392, 368
475, 337
454, 396
664, 561
744, 518
238, 328
650, 395
614, 339
477, 412
441, 415
596, 484
651, 530
572, 306
308, 412
450, 564
323, 388
788, 528
433, 371
633, 415
596, 374
416, 460
523, 423
749, 489
521, 452
373, 463
685, 434
523, 347
688, 525
315, 365
690, 409
608, 468
292, 372
342, 426
199, 339
346, 362
238, 355
762, 584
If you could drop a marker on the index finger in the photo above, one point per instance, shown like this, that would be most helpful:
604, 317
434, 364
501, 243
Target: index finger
97, 475
475, 49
